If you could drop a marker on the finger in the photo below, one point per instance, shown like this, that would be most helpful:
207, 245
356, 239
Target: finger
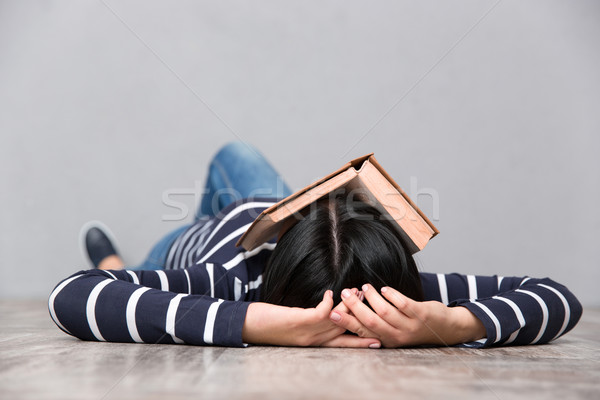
329, 334
358, 293
406, 305
341, 307
350, 323
365, 315
386, 310
352, 341
325, 306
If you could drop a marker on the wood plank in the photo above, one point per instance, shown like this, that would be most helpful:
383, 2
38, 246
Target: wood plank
38, 361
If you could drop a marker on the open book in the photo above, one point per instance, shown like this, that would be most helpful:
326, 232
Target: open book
363, 179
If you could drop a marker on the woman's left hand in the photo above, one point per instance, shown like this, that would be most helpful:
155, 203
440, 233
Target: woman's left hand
399, 321
293, 326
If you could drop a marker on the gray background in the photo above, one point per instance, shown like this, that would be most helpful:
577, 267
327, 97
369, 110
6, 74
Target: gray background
493, 108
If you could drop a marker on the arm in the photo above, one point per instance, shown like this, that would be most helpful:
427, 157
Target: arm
114, 306
514, 310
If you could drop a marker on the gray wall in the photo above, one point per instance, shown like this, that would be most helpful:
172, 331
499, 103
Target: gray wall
495, 112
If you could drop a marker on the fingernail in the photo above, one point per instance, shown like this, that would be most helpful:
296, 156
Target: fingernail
384, 289
345, 293
330, 293
375, 345
335, 316
365, 288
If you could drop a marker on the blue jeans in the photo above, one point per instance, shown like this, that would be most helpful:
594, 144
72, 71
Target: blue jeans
236, 172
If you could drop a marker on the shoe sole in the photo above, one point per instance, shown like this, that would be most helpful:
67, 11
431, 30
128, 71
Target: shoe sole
85, 228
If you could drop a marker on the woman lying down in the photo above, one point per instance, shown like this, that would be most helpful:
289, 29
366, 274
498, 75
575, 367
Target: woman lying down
340, 277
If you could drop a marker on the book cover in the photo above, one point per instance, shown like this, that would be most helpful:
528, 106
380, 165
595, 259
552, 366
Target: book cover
365, 180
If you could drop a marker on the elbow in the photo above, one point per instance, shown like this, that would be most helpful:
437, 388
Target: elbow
62, 304
576, 311
571, 303
56, 308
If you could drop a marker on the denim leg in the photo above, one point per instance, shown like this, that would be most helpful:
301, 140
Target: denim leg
158, 255
239, 171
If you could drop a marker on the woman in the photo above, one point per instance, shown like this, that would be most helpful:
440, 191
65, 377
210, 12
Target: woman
196, 287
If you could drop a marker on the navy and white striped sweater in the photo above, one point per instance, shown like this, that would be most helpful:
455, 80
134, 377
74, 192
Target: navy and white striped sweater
206, 303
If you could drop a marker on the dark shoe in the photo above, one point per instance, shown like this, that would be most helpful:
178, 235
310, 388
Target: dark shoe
97, 244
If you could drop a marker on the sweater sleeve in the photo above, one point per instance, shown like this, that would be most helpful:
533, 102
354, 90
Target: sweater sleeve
190, 306
514, 310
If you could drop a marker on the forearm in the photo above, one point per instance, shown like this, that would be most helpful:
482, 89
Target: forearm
537, 311
514, 310
93, 307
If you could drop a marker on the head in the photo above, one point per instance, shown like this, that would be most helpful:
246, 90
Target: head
338, 244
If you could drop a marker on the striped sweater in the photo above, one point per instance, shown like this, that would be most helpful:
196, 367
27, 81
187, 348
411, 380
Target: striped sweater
203, 294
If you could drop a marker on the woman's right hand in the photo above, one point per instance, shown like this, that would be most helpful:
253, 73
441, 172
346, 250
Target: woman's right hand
399, 321
292, 326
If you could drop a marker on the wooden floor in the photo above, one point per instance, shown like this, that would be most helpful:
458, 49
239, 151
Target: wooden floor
38, 361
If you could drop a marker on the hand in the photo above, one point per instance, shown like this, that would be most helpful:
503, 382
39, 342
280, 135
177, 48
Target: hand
400, 321
292, 326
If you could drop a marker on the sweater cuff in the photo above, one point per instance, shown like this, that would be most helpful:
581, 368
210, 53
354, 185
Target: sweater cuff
231, 316
490, 327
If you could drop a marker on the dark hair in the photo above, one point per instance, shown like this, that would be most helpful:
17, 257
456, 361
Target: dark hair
338, 244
